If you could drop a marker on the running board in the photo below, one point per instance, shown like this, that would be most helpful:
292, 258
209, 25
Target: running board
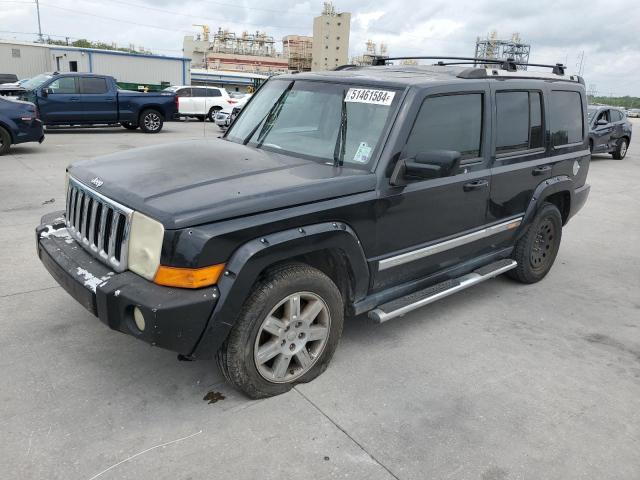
403, 305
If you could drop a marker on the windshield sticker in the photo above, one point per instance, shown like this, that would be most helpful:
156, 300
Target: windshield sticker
366, 95
363, 153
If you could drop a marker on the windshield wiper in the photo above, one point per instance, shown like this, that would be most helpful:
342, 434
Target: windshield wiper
341, 141
266, 120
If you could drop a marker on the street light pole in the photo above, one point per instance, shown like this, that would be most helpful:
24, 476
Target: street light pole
40, 37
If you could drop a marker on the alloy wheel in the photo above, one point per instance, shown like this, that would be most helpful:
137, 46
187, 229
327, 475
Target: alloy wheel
292, 337
152, 121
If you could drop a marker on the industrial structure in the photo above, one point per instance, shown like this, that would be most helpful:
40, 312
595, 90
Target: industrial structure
131, 70
494, 48
330, 39
371, 51
297, 49
225, 50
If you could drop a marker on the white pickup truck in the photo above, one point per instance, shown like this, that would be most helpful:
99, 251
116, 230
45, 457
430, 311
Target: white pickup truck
201, 102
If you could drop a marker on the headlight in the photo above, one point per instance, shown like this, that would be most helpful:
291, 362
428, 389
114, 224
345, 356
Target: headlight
145, 245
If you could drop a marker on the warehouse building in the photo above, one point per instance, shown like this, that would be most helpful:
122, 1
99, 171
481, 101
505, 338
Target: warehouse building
130, 69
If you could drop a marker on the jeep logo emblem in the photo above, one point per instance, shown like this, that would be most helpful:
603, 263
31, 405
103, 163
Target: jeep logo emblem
97, 182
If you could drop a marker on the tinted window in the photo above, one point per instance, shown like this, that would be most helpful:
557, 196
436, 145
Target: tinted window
565, 117
184, 92
616, 115
63, 85
198, 92
93, 85
519, 121
450, 122
214, 92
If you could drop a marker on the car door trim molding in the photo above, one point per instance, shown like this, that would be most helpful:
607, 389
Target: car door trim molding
439, 247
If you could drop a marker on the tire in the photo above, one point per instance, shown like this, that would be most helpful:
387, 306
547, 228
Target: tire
151, 121
212, 114
129, 125
537, 249
591, 147
5, 141
621, 149
201, 118
286, 339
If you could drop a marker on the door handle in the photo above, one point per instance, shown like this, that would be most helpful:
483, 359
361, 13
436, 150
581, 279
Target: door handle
74, 99
475, 185
541, 170
109, 99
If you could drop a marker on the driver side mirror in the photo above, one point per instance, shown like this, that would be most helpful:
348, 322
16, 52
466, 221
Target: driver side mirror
45, 91
426, 165
602, 121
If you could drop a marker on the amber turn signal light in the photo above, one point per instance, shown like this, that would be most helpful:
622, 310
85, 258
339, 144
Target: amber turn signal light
188, 277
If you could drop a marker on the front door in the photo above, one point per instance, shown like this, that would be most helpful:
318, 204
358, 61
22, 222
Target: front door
602, 131
60, 103
434, 223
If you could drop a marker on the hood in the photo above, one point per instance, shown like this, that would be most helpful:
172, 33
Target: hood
190, 183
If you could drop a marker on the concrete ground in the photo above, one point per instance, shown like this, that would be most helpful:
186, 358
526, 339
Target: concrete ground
504, 381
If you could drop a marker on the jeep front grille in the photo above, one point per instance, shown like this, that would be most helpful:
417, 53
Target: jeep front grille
99, 224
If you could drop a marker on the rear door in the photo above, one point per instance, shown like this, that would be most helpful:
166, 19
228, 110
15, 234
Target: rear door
62, 102
97, 100
617, 123
519, 150
199, 101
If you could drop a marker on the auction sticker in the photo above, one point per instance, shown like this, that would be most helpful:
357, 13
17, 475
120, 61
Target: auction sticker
367, 95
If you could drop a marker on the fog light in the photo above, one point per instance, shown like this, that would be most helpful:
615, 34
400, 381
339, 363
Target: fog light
138, 317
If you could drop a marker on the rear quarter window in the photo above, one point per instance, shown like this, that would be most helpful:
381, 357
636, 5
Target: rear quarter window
566, 118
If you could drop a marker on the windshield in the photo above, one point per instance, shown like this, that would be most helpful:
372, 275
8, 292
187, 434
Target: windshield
328, 122
591, 112
36, 81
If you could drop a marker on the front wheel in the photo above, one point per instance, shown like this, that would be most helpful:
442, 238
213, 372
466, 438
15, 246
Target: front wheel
536, 250
151, 121
286, 332
129, 125
621, 149
5, 141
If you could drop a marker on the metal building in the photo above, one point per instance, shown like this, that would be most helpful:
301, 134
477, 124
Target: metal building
492, 47
30, 59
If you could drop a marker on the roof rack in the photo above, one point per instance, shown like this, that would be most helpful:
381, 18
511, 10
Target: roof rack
509, 64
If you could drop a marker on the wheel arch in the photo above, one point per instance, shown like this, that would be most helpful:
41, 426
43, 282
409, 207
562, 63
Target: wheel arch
557, 190
9, 130
331, 247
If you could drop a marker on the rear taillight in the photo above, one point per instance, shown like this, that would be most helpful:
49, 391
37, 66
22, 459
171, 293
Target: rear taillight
232, 101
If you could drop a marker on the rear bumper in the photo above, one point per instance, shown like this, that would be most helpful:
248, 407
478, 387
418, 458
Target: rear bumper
579, 199
175, 318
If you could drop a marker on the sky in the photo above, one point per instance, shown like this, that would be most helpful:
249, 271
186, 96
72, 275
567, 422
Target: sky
604, 33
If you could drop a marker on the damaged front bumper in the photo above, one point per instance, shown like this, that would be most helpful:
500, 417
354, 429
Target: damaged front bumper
174, 317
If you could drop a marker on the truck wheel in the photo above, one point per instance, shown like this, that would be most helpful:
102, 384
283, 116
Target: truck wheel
621, 149
129, 125
5, 141
286, 332
151, 121
536, 250
212, 113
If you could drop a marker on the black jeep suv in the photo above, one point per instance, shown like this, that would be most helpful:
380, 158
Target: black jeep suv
365, 190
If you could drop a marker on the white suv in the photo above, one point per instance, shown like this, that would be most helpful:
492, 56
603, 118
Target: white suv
201, 102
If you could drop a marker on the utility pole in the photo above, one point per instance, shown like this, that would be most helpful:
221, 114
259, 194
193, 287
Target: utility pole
40, 37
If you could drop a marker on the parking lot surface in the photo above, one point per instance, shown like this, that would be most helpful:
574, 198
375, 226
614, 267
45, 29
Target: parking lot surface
502, 381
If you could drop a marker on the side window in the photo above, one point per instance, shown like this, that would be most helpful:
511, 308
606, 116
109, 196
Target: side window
213, 92
616, 115
93, 85
566, 118
604, 115
64, 85
199, 92
519, 121
449, 122
184, 92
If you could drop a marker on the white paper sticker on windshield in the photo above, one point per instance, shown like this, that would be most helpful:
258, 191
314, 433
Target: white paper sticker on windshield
363, 153
367, 95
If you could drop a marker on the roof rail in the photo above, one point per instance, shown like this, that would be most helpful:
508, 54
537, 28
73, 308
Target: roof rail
509, 64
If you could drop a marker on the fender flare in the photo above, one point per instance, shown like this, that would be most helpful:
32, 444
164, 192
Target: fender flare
253, 257
561, 183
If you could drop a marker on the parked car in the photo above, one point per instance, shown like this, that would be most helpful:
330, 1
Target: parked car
227, 115
19, 123
633, 113
91, 99
201, 102
609, 131
12, 89
371, 190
